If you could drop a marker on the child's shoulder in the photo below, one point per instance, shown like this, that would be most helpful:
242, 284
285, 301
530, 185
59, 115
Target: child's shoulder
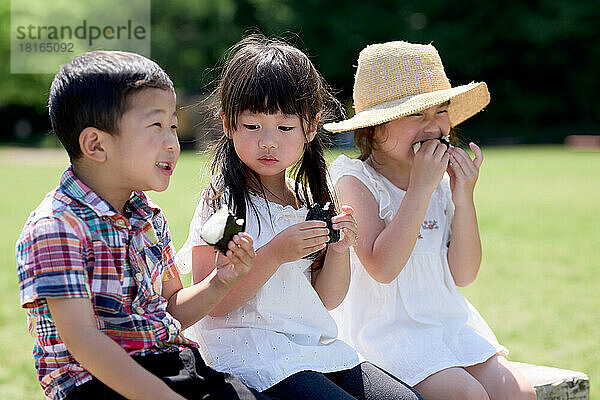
53, 206
53, 216
346, 166
344, 161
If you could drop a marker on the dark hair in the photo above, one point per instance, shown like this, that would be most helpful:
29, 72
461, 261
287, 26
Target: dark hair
266, 75
92, 90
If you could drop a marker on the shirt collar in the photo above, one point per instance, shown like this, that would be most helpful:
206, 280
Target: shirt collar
138, 204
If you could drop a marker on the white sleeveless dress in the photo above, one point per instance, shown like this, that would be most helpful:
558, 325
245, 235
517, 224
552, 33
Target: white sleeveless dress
419, 323
285, 328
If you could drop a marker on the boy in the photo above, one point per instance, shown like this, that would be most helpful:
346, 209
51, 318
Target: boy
95, 259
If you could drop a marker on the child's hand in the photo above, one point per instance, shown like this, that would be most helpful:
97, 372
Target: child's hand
300, 240
429, 165
463, 173
238, 261
347, 224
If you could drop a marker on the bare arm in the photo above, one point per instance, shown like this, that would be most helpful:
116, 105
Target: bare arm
464, 251
384, 250
332, 281
100, 355
191, 304
291, 244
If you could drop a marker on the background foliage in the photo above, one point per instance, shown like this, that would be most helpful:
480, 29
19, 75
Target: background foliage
539, 57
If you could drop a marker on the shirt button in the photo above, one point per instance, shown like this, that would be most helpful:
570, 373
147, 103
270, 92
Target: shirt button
139, 310
172, 329
121, 222
139, 277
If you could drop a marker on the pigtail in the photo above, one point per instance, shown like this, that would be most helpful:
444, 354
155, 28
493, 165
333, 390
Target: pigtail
228, 173
311, 173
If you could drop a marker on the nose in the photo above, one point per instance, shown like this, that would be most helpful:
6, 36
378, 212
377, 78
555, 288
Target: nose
432, 126
268, 139
171, 142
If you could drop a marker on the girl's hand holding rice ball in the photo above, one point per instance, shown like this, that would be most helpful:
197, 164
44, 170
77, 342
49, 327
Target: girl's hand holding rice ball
346, 224
308, 237
299, 240
235, 256
337, 224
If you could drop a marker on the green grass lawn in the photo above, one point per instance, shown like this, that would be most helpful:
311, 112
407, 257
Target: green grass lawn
538, 285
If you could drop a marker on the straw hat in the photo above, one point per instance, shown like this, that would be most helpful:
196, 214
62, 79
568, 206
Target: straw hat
396, 79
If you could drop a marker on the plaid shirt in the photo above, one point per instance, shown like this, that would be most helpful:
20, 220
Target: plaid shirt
75, 245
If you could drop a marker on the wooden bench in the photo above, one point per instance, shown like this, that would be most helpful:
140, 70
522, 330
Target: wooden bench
555, 383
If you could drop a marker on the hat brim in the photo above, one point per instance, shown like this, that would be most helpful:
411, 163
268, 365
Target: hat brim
466, 101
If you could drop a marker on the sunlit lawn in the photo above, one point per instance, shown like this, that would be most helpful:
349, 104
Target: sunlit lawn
539, 281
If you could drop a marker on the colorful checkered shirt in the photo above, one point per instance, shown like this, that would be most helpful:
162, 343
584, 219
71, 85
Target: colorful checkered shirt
75, 245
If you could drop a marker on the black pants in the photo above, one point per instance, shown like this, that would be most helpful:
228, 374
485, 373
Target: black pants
364, 382
185, 372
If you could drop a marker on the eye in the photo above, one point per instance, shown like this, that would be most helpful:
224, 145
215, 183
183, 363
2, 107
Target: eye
158, 124
442, 111
251, 127
173, 126
416, 115
285, 128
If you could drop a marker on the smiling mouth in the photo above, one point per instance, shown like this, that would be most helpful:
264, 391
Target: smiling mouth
164, 165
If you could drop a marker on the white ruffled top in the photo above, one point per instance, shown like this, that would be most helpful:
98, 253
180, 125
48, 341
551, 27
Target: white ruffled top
419, 323
285, 328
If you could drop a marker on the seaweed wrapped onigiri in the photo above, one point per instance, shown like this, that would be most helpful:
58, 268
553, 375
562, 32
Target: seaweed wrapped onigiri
325, 213
220, 228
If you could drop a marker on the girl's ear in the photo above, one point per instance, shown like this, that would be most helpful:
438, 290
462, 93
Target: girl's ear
312, 132
225, 130
93, 144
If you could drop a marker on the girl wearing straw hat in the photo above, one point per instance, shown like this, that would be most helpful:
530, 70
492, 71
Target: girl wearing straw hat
418, 237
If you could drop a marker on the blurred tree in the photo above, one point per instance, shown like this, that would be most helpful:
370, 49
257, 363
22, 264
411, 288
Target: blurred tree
539, 57
18, 89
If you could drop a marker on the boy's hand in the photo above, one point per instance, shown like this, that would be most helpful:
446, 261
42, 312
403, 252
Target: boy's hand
429, 165
299, 240
464, 173
347, 224
238, 260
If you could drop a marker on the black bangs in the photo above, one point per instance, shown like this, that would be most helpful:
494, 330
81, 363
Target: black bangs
268, 79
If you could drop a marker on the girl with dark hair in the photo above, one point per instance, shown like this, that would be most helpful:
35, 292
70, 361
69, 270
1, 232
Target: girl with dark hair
273, 330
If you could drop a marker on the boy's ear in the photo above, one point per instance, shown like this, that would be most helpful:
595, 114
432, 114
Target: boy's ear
312, 132
92, 144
